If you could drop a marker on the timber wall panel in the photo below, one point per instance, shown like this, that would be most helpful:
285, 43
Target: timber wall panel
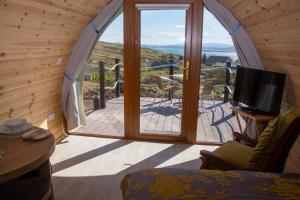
274, 27
34, 34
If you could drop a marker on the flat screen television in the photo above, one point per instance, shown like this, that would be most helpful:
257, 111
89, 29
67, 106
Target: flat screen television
258, 90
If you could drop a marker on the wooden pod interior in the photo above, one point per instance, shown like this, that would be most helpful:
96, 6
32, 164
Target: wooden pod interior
37, 38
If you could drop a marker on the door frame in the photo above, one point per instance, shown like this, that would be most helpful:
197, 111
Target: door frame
132, 73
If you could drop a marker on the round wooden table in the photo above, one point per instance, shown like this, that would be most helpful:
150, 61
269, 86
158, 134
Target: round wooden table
23, 156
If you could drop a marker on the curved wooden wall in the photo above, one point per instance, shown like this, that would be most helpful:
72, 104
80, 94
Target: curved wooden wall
274, 27
34, 36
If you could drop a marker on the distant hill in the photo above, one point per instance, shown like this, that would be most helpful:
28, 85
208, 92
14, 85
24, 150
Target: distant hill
108, 52
104, 50
217, 47
178, 48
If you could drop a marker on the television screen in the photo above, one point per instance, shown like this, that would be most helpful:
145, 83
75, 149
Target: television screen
259, 90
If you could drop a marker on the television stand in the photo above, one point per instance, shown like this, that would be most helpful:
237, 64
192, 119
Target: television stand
259, 121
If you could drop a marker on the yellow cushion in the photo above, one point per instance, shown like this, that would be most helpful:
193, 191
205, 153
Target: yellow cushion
233, 152
264, 139
268, 140
286, 119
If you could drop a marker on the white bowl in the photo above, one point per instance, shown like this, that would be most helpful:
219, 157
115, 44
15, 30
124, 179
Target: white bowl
15, 123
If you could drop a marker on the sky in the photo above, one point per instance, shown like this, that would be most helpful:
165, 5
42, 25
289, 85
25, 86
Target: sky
167, 27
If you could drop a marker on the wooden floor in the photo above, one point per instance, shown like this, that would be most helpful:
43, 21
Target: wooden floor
89, 168
215, 121
108, 121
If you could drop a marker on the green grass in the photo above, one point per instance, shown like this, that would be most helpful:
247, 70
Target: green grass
108, 52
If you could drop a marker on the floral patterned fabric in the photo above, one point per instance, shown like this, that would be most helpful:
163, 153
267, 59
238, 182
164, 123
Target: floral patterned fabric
161, 184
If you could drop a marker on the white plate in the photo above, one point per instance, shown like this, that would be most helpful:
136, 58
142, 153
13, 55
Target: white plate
15, 123
36, 134
4, 130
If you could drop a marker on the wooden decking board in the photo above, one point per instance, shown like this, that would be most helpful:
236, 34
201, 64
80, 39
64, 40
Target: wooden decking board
210, 120
229, 126
216, 129
219, 116
159, 118
147, 118
215, 124
201, 132
221, 131
107, 121
206, 122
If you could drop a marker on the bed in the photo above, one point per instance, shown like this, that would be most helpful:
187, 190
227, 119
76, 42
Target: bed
209, 184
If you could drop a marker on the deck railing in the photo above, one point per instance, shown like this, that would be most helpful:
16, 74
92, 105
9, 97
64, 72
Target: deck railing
227, 86
99, 100
230, 71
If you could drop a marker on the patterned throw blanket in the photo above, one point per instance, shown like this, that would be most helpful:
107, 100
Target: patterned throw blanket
209, 184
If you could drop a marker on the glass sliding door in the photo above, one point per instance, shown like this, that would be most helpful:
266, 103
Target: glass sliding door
162, 55
216, 123
103, 84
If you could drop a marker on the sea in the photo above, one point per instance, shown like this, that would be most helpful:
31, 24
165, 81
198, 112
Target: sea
232, 55
208, 51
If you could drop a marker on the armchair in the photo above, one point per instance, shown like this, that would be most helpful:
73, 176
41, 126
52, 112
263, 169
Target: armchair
268, 155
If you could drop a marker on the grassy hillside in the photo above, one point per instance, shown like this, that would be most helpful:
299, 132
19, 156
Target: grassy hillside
104, 50
108, 52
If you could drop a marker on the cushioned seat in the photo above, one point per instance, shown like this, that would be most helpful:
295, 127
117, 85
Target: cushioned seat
233, 155
242, 155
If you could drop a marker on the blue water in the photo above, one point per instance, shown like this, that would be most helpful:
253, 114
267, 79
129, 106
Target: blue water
232, 55
208, 52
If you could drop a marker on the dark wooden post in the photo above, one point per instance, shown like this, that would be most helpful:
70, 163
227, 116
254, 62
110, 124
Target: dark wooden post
102, 84
227, 81
117, 78
96, 101
171, 73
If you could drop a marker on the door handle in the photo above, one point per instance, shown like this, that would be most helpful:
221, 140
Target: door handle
186, 70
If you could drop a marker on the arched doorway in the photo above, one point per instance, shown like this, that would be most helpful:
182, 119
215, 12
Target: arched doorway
103, 84
150, 110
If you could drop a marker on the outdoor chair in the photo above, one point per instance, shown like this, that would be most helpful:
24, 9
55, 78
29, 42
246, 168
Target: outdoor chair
207, 91
269, 155
166, 86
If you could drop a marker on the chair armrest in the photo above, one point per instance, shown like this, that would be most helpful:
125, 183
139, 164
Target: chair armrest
239, 137
151, 86
219, 86
208, 154
218, 89
163, 78
170, 81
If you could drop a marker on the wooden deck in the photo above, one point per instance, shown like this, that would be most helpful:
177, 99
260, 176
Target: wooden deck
215, 121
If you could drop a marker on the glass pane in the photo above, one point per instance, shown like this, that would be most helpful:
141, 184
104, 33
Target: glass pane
215, 120
105, 108
162, 52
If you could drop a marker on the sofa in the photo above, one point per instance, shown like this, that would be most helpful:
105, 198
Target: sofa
174, 184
